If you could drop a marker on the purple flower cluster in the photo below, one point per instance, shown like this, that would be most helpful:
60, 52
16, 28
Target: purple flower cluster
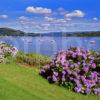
97, 91
77, 66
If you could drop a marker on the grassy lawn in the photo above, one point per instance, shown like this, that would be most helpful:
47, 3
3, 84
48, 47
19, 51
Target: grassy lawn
23, 83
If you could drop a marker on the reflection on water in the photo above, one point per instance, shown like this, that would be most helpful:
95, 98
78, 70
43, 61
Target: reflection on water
50, 45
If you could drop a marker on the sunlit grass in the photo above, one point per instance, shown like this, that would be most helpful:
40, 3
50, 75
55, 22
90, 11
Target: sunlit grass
25, 83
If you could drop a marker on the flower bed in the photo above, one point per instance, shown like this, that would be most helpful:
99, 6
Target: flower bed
77, 69
6, 51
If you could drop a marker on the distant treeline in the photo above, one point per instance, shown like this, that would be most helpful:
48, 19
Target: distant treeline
13, 32
10, 32
84, 34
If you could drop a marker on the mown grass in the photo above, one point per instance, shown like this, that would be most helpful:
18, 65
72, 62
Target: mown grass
18, 82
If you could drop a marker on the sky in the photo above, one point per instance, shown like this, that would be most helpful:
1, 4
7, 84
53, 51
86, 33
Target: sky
50, 15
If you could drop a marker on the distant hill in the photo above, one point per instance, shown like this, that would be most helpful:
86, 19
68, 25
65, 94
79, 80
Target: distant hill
72, 34
14, 32
11, 32
84, 34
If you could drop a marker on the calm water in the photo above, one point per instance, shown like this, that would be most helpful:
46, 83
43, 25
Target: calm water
50, 45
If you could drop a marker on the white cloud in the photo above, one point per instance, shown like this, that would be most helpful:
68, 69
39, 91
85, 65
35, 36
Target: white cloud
48, 18
54, 20
95, 18
62, 11
68, 19
3, 16
75, 13
57, 25
38, 10
53, 23
22, 18
60, 20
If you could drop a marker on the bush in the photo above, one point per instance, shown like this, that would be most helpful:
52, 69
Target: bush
77, 69
32, 59
6, 52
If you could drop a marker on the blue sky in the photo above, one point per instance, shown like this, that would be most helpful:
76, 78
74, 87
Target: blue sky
50, 15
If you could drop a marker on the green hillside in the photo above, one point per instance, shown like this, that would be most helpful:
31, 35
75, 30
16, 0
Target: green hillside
24, 83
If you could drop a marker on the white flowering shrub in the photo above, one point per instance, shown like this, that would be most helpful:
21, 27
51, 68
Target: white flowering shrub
7, 51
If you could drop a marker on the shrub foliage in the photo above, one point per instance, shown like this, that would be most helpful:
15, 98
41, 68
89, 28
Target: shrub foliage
77, 69
7, 51
32, 59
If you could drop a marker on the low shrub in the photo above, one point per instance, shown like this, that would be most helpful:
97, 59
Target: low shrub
32, 59
77, 69
6, 52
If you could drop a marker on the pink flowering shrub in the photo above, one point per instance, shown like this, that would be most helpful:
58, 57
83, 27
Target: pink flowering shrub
6, 51
77, 69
